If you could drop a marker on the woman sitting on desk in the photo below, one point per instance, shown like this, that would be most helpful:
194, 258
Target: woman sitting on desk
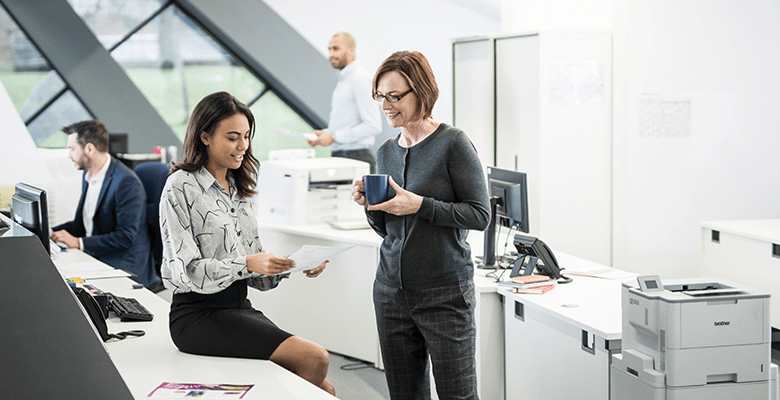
424, 288
212, 252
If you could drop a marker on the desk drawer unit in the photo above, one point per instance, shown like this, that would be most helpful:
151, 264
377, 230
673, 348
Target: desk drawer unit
547, 358
744, 260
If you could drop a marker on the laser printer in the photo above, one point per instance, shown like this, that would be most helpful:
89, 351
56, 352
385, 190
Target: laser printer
692, 339
308, 191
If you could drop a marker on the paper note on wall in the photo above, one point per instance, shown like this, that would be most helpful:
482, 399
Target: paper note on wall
663, 117
575, 83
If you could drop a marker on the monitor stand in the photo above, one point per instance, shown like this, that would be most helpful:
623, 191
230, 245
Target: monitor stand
489, 243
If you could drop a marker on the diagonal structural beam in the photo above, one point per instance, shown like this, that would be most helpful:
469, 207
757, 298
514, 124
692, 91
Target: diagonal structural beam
96, 79
270, 47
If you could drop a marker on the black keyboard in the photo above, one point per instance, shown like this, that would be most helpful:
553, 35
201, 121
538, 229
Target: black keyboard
128, 309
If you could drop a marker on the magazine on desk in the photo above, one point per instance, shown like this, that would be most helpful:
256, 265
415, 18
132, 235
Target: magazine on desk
189, 390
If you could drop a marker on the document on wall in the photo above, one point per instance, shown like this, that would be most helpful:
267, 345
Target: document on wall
172, 390
309, 256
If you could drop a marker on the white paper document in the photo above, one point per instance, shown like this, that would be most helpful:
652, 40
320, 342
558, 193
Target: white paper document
309, 257
310, 136
82, 266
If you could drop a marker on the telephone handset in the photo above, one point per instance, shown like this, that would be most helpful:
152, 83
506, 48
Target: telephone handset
92, 309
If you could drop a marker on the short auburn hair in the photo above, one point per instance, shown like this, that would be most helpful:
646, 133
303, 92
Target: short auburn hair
414, 67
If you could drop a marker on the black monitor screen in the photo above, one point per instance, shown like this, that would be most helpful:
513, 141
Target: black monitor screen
511, 190
508, 206
30, 209
117, 143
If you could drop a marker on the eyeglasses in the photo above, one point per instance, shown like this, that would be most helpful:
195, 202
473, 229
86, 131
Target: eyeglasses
391, 98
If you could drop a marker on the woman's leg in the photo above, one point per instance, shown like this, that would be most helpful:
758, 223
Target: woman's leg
246, 333
445, 317
305, 359
402, 345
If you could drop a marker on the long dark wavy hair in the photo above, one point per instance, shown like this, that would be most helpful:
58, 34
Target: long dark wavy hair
205, 117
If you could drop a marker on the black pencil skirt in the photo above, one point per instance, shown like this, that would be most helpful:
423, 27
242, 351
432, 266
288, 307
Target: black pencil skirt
223, 324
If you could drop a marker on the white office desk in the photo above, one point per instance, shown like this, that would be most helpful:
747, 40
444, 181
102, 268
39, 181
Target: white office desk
489, 317
336, 309
559, 344
147, 361
744, 256
360, 237
76, 263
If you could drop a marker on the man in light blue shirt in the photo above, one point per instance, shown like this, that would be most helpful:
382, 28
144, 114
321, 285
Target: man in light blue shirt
354, 117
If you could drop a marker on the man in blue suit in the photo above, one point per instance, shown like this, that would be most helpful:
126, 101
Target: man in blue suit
110, 222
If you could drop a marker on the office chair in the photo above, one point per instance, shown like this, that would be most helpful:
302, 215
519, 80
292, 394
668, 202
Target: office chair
153, 176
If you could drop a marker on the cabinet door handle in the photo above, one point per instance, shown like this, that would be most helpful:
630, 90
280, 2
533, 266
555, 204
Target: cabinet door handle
519, 310
588, 342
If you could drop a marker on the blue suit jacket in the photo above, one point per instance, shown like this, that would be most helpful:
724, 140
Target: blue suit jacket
119, 235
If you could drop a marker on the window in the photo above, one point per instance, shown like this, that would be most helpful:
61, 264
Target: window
175, 64
32, 84
169, 57
46, 128
112, 20
271, 114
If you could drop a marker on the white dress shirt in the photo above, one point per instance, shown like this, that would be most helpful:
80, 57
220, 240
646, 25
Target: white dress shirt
354, 116
207, 235
94, 184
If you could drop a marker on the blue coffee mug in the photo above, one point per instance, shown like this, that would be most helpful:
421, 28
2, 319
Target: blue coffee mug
377, 188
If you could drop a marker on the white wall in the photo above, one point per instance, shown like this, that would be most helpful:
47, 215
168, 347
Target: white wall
19, 159
381, 28
696, 117
48, 169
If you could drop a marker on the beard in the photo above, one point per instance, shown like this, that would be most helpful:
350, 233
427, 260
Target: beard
337, 63
81, 165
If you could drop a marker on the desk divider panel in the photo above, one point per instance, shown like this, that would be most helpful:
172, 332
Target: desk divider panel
49, 348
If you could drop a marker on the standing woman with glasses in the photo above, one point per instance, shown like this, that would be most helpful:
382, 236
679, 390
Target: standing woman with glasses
424, 288
212, 252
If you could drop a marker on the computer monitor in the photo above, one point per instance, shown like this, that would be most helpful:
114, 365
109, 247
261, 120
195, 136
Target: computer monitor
539, 257
508, 192
31, 210
117, 143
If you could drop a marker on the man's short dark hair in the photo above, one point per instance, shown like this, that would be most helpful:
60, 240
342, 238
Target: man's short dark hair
90, 132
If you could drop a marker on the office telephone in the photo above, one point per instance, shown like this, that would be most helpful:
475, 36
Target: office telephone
92, 309
97, 317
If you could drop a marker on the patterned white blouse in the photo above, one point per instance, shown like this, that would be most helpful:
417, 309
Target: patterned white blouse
207, 235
